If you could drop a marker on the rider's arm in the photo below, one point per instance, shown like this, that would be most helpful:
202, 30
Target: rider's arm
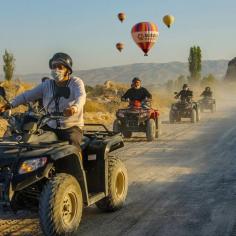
147, 94
28, 96
80, 94
178, 94
126, 95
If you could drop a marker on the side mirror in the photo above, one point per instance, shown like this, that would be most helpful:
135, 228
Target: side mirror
62, 92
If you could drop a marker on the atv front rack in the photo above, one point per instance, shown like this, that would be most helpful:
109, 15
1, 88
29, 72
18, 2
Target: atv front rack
30, 145
105, 132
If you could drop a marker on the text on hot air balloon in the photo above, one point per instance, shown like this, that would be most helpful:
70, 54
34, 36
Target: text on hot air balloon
145, 37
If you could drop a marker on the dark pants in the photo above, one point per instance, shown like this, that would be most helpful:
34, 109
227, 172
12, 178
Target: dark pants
73, 135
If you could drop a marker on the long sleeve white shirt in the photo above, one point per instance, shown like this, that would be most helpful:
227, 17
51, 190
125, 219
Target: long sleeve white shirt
45, 92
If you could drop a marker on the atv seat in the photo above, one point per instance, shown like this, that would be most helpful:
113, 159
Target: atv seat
84, 143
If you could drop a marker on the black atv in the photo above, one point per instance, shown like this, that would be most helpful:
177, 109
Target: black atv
39, 172
207, 103
138, 117
184, 108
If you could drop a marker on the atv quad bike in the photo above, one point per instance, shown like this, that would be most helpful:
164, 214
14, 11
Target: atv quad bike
185, 108
138, 117
207, 103
39, 172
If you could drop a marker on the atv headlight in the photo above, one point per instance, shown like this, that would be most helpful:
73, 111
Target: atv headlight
144, 114
32, 165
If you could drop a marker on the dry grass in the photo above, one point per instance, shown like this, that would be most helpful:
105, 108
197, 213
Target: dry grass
94, 106
102, 105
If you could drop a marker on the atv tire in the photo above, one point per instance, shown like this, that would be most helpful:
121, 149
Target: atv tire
116, 126
178, 119
213, 109
60, 206
194, 116
117, 186
198, 115
158, 128
171, 117
150, 130
126, 134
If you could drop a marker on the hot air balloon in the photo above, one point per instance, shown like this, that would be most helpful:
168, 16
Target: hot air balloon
120, 46
145, 34
121, 16
168, 20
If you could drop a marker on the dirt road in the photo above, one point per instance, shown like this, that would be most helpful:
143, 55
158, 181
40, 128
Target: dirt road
182, 184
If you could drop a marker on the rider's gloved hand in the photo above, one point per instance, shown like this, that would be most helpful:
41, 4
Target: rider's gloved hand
125, 99
146, 99
70, 111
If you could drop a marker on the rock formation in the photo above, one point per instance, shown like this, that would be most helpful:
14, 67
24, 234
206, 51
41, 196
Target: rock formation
231, 70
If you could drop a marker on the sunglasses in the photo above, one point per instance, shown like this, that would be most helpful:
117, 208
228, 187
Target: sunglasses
58, 66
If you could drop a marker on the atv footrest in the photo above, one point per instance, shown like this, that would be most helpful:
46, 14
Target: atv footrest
95, 197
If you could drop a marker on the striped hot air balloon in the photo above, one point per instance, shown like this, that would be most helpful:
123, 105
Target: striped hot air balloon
145, 34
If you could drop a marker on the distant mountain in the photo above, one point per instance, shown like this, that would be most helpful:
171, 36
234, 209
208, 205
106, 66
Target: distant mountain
150, 73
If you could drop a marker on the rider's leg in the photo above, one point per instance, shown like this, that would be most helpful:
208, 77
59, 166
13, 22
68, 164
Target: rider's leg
73, 135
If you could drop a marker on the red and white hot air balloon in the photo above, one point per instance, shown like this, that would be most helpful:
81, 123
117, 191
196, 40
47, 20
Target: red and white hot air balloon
145, 35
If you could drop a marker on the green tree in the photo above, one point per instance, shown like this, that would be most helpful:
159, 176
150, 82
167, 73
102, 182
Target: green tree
195, 64
9, 65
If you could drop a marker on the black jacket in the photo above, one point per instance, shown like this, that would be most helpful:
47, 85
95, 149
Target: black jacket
206, 93
137, 94
183, 94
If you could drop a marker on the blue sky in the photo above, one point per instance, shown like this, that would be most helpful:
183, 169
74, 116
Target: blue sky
88, 30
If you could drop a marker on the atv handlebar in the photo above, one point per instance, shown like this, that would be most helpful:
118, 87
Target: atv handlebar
142, 100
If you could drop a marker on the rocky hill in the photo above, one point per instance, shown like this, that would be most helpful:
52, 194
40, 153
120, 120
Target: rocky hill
151, 73
231, 70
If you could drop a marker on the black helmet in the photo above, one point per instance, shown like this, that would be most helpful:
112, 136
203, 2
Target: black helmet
185, 86
63, 59
208, 88
136, 79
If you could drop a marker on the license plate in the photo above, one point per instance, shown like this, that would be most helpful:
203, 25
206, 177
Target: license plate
92, 157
